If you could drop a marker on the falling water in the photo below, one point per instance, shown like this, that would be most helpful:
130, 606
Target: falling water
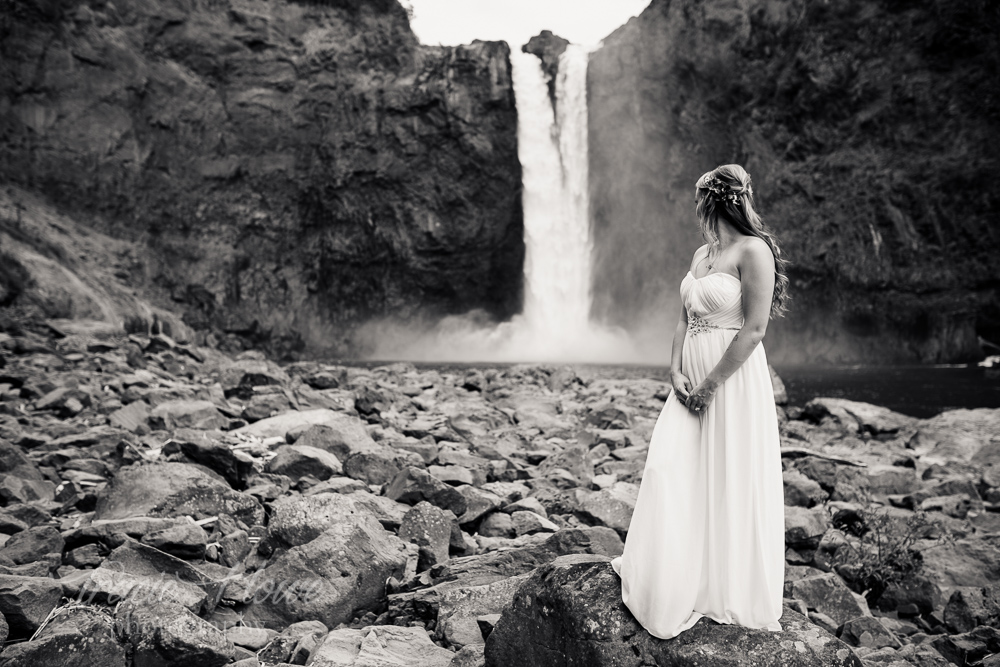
555, 324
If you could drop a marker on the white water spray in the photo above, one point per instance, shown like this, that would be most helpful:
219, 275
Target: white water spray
555, 324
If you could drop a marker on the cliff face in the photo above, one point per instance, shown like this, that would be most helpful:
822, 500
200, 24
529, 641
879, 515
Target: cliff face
292, 169
870, 128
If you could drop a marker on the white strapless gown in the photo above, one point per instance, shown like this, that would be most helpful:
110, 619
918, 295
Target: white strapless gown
706, 537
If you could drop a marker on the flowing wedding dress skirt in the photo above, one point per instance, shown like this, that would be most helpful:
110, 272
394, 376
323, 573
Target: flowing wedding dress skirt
706, 537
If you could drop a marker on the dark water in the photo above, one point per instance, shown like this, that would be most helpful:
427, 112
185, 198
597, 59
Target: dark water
919, 391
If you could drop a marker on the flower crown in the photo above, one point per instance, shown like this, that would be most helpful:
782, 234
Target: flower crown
722, 192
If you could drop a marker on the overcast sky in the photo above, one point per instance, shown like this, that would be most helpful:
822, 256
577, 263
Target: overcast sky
586, 22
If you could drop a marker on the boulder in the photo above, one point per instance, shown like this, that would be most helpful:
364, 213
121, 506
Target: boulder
164, 634
343, 569
432, 529
857, 418
827, 594
109, 531
867, 631
971, 606
804, 528
32, 544
185, 540
207, 449
611, 507
201, 415
459, 609
380, 645
140, 573
967, 562
297, 520
570, 611
25, 602
77, 636
413, 485
529, 523
575, 459
970, 647
800, 490
280, 425
173, 489
497, 524
497, 565
297, 461
478, 503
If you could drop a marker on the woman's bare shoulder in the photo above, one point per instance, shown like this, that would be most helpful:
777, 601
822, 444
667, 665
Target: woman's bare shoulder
755, 250
698, 255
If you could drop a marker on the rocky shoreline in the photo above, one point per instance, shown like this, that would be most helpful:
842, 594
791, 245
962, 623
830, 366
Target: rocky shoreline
166, 504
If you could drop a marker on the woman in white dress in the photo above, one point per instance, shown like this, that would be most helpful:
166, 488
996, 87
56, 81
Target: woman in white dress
706, 537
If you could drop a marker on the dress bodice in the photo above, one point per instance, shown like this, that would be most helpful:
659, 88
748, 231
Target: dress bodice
716, 298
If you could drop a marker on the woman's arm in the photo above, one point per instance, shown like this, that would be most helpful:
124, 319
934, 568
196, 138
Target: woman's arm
680, 382
756, 266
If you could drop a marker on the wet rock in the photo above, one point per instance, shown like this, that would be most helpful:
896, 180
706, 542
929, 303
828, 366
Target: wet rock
827, 594
380, 644
432, 529
173, 489
459, 609
185, 540
202, 415
328, 578
569, 606
75, 636
413, 485
25, 602
298, 461
164, 634
31, 545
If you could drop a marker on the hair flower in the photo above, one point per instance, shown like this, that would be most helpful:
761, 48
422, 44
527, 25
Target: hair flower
720, 191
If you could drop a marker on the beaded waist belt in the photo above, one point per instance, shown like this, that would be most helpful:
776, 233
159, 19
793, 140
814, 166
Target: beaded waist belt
697, 325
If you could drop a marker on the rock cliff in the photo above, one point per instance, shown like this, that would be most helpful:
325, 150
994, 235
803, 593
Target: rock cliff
286, 169
868, 126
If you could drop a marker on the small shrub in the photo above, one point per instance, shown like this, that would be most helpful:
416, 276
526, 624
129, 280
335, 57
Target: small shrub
888, 548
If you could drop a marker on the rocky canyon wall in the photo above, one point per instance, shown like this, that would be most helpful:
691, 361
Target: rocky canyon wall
287, 169
871, 130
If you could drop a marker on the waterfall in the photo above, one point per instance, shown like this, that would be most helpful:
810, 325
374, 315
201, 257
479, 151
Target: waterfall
552, 147
555, 324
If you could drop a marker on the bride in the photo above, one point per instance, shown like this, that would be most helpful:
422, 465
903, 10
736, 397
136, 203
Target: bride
706, 537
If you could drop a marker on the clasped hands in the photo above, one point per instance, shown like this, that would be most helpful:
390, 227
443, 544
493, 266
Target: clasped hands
697, 399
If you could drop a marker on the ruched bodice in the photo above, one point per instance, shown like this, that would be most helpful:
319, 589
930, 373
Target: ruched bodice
717, 298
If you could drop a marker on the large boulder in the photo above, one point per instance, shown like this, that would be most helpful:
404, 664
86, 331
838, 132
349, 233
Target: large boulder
364, 459
202, 415
343, 569
414, 485
174, 489
206, 448
570, 612
459, 608
611, 507
297, 461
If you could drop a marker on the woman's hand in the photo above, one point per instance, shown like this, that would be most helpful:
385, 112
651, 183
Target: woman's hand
701, 396
682, 386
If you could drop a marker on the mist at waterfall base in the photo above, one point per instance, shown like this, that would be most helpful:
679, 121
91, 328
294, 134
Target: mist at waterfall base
555, 323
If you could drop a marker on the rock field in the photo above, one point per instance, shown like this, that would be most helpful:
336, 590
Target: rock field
165, 504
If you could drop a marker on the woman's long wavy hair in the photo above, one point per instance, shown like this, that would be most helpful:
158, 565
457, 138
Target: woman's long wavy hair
715, 202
